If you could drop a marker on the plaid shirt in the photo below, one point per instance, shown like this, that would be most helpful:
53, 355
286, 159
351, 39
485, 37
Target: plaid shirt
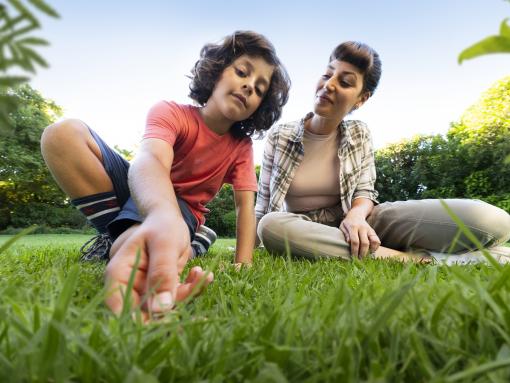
284, 152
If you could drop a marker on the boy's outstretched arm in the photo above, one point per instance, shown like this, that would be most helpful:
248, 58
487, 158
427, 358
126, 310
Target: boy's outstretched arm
245, 226
163, 237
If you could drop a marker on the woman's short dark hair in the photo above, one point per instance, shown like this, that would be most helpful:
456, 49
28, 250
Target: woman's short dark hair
214, 58
363, 57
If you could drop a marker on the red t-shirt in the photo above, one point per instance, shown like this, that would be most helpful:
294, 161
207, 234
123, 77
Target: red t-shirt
203, 160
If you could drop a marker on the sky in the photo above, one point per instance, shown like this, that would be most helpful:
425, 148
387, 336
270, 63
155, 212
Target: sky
110, 61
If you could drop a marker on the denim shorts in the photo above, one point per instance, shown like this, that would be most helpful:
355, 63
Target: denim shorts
117, 167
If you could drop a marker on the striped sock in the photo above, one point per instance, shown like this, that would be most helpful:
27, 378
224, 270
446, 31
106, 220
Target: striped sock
99, 209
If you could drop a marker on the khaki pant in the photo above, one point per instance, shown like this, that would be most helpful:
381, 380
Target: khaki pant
402, 225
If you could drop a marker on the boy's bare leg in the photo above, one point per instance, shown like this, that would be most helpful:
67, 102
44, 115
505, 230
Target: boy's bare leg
74, 159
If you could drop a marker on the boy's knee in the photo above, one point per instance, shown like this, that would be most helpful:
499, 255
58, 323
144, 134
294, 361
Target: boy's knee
58, 134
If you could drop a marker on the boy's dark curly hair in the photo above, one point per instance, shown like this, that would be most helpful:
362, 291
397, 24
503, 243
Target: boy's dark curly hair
214, 58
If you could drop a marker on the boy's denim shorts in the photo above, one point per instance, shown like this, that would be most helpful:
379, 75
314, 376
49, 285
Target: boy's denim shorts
117, 167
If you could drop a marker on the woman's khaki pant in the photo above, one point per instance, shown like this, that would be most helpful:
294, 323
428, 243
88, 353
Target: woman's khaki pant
402, 225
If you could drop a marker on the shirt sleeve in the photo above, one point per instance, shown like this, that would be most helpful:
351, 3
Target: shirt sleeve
242, 172
163, 122
366, 183
266, 169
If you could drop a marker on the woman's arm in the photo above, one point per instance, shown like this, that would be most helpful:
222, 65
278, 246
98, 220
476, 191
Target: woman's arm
366, 182
355, 228
245, 226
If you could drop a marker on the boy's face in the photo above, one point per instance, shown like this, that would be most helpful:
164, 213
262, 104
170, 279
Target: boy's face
242, 87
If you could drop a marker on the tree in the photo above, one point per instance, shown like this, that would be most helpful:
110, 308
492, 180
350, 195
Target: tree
416, 168
467, 162
17, 52
483, 140
28, 193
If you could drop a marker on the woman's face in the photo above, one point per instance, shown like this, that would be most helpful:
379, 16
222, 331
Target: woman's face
339, 91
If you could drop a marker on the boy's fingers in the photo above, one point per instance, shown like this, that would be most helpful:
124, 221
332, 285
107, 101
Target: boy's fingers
162, 278
195, 283
118, 273
115, 297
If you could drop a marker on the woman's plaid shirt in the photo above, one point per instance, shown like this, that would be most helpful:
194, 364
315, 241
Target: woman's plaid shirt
284, 152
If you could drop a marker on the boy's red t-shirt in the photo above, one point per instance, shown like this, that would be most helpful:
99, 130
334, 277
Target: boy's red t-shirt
203, 160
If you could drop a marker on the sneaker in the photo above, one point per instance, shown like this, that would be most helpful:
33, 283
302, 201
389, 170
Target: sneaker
204, 238
96, 248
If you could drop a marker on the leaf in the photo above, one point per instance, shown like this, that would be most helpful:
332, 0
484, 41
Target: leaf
434, 320
44, 7
24, 11
12, 81
137, 375
481, 369
491, 44
32, 41
32, 55
66, 294
504, 29
22, 233
271, 372
127, 304
392, 303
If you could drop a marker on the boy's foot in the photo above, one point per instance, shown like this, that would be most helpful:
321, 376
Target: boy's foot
96, 248
204, 238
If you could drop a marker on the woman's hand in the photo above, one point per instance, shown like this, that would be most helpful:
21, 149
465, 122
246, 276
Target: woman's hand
359, 235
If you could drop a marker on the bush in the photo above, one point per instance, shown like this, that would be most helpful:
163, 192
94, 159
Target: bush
43, 229
36, 213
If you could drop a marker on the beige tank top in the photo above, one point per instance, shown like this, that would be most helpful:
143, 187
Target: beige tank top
315, 184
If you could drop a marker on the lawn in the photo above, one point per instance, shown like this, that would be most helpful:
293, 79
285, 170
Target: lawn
281, 320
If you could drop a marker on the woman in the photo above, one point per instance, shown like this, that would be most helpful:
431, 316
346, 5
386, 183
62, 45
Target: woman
321, 171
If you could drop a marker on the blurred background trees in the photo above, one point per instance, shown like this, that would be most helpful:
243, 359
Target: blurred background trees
18, 56
28, 194
468, 162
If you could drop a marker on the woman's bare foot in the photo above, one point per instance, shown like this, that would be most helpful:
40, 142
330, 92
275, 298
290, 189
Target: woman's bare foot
387, 253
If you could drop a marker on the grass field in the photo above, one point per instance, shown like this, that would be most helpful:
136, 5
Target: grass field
279, 321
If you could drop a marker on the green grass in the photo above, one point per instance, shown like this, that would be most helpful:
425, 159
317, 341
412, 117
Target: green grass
279, 321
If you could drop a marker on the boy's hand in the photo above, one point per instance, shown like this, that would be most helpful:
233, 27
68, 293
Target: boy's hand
164, 247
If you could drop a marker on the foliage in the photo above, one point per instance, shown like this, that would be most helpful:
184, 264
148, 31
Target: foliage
128, 154
492, 44
467, 163
415, 168
281, 320
222, 216
222, 208
17, 50
28, 194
